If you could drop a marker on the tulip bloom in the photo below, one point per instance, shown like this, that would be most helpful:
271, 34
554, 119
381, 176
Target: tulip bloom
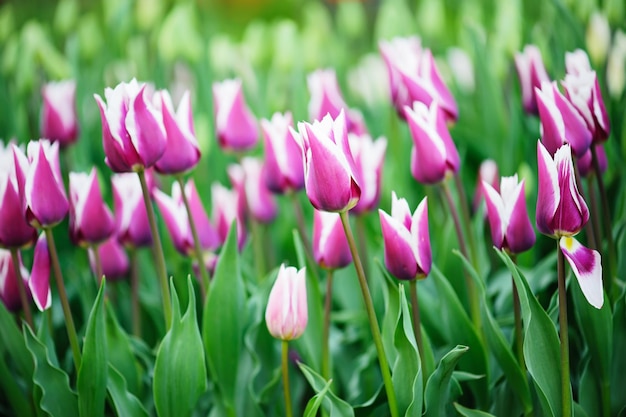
560, 121
115, 263
434, 155
532, 74
283, 158
226, 210
59, 121
91, 221
561, 213
508, 216
248, 179
15, 232
181, 149
133, 135
585, 164
9, 293
177, 220
131, 216
368, 156
413, 76
407, 241
329, 169
41, 185
330, 245
286, 315
235, 123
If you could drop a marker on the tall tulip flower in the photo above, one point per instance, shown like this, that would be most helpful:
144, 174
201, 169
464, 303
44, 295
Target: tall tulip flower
226, 204
181, 149
434, 154
407, 241
235, 124
8, 281
368, 156
413, 76
130, 211
115, 263
91, 221
560, 121
283, 157
532, 74
248, 179
330, 246
329, 169
561, 213
508, 216
59, 122
133, 135
15, 232
286, 315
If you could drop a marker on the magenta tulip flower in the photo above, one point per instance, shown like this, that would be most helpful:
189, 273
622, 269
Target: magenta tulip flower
133, 135
330, 245
532, 74
113, 259
91, 221
59, 122
560, 121
235, 124
284, 171
561, 213
226, 210
181, 149
368, 156
329, 169
585, 164
177, 220
582, 89
413, 76
9, 293
508, 217
248, 179
287, 314
131, 216
41, 185
407, 241
434, 155
15, 232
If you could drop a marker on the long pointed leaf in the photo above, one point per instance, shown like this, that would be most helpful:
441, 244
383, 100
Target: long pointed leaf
438, 384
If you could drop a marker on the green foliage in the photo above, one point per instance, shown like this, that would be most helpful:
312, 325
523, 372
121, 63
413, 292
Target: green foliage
334, 406
437, 387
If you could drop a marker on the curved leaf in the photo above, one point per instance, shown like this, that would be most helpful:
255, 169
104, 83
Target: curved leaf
125, 403
334, 406
438, 384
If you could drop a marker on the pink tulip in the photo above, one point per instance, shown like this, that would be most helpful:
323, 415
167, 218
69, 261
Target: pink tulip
585, 164
283, 158
226, 210
248, 178
434, 155
9, 293
286, 315
532, 74
330, 245
91, 221
115, 263
131, 216
235, 124
369, 157
329, 169
59, 121
181, 150
133, 135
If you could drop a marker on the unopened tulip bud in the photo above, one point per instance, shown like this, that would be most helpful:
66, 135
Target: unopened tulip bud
248, 179
585, 164
235, 124
369, 157
330, 246
113, 259
286, 315
226, 210
283, 157
59, 121
532, 74
131, 216
91, 221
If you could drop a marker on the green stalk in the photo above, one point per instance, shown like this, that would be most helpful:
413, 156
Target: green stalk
258, 247
517, 314
204, 275
565, 383
297, 209
157, 251
417, 325
58, 276
326, 372
20, 287
466, 220
97, 263
285, 365
134, 291
362, 242
371, 315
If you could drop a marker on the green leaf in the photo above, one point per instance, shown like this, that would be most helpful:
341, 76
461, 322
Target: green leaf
179, 371
407, 369
541, 344
57, 399
468, 412
618, 366
392, 312
13, 343
222, 322
438, 384
333, 405
125, 403
92, 375
498, 344
120, 352
316, 401
11, 388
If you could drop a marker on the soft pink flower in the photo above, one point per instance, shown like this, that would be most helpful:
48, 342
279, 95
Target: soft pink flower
235, 124
286, 315
59, 122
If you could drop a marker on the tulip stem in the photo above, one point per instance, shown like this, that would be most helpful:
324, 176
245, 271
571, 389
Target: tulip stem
58, 276
517, 315
157, 251
297, 208
362, 242
469, 284
417, 325
134, 290
606, 214
371, 314
21, 288
466, 220
565, 383
326, 372
204, 275
97, 264
285, 366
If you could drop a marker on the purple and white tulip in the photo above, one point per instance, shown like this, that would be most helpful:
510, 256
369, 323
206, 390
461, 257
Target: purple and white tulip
287, 314
113, 259
59, 122
369, 157
532, 74
248, 179
91, 221
330, 245
283, 157
585, 164
235, 124
226, 210
133, 228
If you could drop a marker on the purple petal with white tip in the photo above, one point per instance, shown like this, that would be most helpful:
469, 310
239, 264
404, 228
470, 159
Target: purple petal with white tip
587, 266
